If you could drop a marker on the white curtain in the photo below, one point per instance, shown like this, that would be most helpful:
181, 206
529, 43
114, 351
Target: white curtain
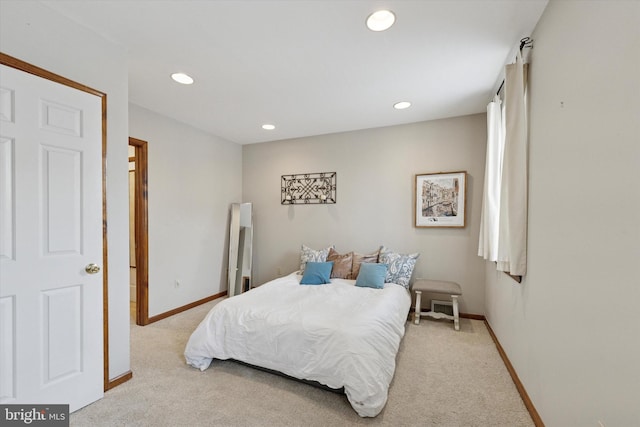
503, 230
489, 220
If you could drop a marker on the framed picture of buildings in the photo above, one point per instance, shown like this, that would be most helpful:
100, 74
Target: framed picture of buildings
439, 199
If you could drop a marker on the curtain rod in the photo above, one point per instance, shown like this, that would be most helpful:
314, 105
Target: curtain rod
524, 42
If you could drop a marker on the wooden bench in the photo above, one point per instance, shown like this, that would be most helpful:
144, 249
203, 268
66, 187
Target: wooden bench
439, 287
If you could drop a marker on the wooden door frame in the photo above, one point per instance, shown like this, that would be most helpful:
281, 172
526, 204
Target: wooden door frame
18, 64
141, 230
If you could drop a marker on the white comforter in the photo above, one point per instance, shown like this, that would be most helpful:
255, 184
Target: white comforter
337, 334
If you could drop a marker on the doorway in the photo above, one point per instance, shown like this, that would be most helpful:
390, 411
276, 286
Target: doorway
139, 231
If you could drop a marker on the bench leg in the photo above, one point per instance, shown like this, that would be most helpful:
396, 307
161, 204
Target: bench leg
456, 319
416, 314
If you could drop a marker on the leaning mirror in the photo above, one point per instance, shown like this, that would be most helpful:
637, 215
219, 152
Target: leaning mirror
240, 248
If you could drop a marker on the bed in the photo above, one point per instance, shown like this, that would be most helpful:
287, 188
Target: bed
338, 334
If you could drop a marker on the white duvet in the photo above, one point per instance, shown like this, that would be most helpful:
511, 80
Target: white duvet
336, 334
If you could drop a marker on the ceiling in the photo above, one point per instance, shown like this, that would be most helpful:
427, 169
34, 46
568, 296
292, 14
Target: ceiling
309, 67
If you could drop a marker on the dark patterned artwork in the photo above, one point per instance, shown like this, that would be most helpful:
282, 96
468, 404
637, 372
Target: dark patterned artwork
308, 188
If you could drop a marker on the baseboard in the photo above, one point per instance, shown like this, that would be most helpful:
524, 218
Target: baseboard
118, 380
185, 307
514, 376
472, 316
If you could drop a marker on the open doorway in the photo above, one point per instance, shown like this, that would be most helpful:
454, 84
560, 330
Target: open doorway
132, 234
139, 238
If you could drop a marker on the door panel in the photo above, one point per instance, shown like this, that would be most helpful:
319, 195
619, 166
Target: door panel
7, 206
62, 339
61, 207
51, 222
60, 118
8, 348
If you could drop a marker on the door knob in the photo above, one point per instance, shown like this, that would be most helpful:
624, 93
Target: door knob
92, 268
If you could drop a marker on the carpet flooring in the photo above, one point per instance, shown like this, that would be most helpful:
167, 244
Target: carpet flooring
443, 378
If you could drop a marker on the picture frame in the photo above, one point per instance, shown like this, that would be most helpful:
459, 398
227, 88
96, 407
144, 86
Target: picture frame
440, 199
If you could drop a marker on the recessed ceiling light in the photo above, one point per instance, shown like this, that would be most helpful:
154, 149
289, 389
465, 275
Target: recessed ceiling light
402, 105
381, 20
268, 126
182, 78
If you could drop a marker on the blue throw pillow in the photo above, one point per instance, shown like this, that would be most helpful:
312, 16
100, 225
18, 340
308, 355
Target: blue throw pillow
371, 275
317, 273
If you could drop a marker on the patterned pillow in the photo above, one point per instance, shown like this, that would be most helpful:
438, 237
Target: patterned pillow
400, 266
307, 254
341, 264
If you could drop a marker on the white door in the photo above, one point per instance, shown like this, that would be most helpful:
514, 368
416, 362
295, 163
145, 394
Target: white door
51, 348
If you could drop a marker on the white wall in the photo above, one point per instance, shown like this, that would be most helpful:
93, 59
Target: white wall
33, 33
193, 179
376, 171
572, 328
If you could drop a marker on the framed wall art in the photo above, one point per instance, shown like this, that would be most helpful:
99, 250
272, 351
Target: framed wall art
439, 199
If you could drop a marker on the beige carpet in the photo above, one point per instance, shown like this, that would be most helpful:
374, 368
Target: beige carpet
443, 378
